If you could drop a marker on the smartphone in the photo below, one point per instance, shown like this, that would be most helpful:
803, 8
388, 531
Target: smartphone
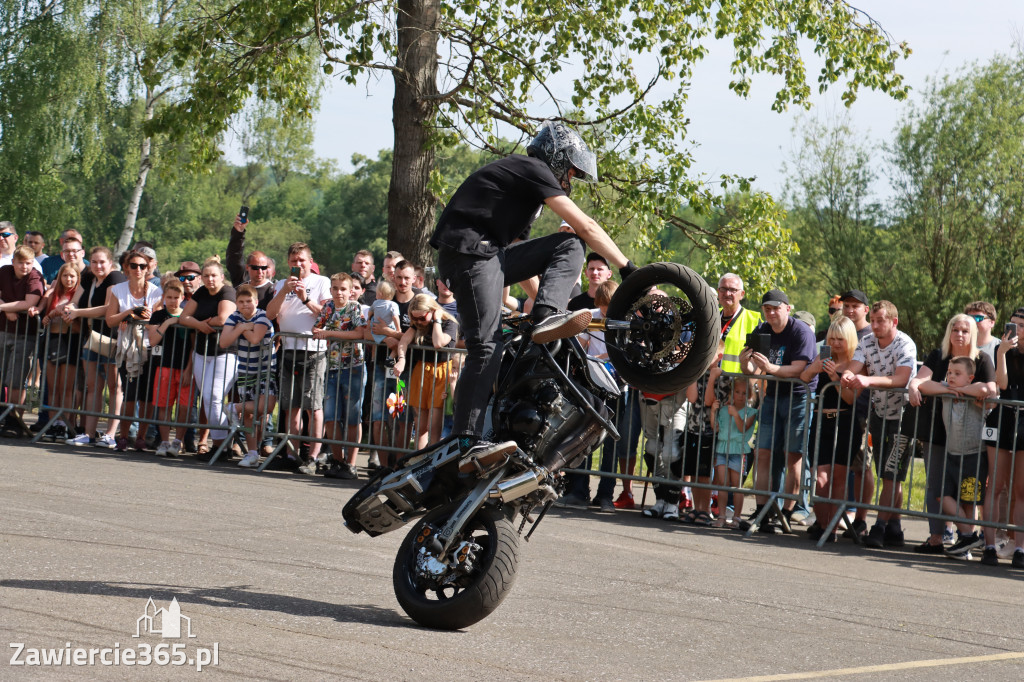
243, 214
295, 272
759, 343
1009, 328
825, 353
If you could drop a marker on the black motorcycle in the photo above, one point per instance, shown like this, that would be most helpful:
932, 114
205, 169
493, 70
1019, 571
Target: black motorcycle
550, 408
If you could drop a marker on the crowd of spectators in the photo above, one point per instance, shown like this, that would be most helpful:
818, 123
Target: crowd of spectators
216, 352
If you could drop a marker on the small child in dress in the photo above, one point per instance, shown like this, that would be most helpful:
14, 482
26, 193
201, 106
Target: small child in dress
966, 466
385, 311
254, 393
734, 424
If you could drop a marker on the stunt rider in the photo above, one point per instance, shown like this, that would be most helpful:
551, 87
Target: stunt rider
482, 242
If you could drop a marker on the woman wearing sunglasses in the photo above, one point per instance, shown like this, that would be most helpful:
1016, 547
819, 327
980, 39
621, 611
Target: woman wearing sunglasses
130, 304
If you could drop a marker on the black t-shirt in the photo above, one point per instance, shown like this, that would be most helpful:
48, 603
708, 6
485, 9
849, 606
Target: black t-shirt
99, 297
206, 307
176, 345
930, 425
449, 327
583, 301
495, 205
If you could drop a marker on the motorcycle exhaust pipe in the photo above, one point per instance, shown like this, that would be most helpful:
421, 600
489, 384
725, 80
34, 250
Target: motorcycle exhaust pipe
576, 444
518, 486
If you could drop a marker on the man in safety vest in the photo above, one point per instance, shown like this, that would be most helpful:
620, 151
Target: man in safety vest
737, 321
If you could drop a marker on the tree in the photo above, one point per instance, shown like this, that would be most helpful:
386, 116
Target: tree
958, 161
834, 219
471, 70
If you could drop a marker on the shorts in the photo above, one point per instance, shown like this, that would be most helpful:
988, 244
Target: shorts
964, 478
1009, 423
301, 379
428, 384
783, 418
18, 352
698, 454
891, 449
172, 387
344, 395
733, 461
92, 356
61, 349
248, 388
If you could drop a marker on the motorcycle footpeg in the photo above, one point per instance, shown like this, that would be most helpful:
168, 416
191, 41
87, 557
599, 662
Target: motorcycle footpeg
486, 458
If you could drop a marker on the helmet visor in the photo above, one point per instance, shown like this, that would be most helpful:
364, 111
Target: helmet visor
585, 163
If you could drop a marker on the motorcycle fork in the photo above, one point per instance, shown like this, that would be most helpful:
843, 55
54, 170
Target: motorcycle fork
442, 542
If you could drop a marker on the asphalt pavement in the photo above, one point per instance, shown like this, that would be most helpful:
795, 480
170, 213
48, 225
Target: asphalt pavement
266, 577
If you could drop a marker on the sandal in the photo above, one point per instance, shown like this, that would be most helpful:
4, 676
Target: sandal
689, 517
702, 518
202, 449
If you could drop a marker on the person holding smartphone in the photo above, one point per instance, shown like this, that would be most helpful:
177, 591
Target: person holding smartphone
256, 269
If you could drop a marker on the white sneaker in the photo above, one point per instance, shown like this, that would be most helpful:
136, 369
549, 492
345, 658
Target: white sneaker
174, 449
1004, 547
671, 512
655, 512
106, 441
162, 449
251, 459
80, 439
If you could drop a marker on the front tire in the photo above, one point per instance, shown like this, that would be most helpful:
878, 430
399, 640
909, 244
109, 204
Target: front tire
457, 600
673, 338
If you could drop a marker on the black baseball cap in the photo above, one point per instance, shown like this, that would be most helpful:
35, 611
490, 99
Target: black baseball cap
775, 297
856, 295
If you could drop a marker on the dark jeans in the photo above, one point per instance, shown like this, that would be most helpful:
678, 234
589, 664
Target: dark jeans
627, 422
477, 284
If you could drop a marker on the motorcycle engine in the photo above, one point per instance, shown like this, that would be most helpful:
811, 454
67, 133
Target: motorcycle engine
542, 420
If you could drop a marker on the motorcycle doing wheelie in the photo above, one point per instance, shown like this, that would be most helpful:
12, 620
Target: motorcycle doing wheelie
550, 407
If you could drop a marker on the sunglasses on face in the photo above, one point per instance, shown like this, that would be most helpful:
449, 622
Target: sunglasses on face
259, 267
420, 318
6, 235
980, 318
138, 266
186, 278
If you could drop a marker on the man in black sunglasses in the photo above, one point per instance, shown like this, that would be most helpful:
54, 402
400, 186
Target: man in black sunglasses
256, 270
189, 274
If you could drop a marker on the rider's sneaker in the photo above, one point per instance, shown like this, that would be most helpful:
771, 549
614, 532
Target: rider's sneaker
484, 455
561, 326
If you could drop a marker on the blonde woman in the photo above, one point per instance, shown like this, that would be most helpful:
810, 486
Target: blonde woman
838, 436
214, 368
430, 326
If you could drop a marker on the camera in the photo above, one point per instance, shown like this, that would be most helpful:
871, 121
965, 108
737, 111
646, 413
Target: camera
137, 311
759, 343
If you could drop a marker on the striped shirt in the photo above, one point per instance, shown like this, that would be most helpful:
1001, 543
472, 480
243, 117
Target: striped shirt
254, 359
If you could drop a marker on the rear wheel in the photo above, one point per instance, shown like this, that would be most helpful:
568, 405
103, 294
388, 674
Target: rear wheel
673, 330
474, 581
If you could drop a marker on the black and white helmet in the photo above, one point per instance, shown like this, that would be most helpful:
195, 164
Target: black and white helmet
562, 148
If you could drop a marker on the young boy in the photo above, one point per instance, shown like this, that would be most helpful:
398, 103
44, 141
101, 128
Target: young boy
966, 469
341, 321
172, 353
254, 394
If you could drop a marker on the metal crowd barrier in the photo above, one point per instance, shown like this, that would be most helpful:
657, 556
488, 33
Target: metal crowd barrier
117, 382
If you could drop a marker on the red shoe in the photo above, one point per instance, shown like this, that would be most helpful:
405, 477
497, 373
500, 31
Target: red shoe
625, 501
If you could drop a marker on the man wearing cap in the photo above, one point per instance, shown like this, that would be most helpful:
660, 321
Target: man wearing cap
737, 321
855, 308
189, 274
889, 358
784, 417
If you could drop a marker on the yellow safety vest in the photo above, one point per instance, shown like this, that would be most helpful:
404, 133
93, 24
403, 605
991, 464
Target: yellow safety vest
746, 322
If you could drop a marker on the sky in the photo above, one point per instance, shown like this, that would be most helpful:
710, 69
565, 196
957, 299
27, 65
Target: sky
735, 135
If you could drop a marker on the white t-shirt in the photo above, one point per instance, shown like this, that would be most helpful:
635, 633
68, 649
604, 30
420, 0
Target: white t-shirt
125, 301
596, 345
296, 316
902, 352
8, 260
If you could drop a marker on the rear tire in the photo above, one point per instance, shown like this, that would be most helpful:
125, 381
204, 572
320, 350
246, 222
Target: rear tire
470, 598
649, 356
